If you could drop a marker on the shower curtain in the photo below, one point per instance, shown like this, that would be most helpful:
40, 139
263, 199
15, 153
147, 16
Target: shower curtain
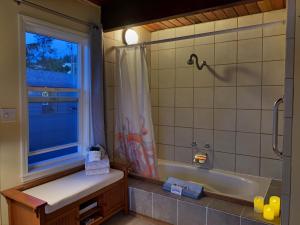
134, 136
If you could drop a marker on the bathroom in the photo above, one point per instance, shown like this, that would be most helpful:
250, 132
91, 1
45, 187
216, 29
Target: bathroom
217, 89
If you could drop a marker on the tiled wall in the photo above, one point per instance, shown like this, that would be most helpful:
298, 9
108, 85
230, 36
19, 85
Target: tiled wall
227, 104
112, 39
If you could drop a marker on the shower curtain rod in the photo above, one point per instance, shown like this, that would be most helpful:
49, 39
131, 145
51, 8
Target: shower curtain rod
40, 7
203, 34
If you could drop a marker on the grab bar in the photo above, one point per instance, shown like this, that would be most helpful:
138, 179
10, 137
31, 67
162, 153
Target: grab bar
275, 128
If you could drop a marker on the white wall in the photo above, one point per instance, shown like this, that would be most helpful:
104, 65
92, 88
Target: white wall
9, 74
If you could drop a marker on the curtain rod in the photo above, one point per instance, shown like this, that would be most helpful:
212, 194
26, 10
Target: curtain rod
40, 7
203, 34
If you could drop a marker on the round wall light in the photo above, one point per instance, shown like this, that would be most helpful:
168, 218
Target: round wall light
130, 37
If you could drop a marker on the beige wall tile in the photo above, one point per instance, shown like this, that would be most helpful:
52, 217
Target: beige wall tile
266, 146
250, 50
224, 161
247, 164
273, 73
183, 136
166, 97
249, 74
166, 152
206, 53
274, 48
224, 141
250, 20
270, 94
272, 16
166, 34
271, 168
154, 97
184, 97
204, 28
184, 117
225, 97
225, 75
184, 155
184, 77
248, 120
204, 77
182, 56
267, 122
154, 59
203, 97
224, 25
203, 118
225, 119
249, 97
226, 53
184, 31
166, 135
154, 114
166, 116
166, 59
166, 78
154, 78
154, 37
248, 144
203, 137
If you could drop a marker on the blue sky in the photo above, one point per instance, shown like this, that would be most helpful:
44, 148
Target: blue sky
60, 46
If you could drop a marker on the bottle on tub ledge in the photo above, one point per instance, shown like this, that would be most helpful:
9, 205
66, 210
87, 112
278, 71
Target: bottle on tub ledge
97, 161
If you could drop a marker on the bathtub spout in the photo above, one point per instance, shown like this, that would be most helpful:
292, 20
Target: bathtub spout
200, 158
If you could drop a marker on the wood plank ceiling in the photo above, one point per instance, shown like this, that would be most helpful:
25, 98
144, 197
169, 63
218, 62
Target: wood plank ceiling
218, 14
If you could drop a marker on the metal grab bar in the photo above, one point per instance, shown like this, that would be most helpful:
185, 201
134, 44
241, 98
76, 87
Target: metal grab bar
275, 128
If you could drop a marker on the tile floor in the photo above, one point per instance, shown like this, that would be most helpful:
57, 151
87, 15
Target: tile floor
121, 219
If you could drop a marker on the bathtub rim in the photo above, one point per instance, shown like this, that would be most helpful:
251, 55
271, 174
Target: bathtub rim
224, 197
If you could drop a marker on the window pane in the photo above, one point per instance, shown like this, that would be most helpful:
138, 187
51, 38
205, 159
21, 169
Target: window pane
52, 124
51, 62
51, 155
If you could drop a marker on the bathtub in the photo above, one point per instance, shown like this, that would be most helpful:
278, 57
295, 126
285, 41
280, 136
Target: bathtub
228, 184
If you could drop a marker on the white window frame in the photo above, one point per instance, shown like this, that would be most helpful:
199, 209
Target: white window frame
47, 167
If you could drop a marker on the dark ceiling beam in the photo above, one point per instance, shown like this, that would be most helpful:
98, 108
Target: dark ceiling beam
121, 13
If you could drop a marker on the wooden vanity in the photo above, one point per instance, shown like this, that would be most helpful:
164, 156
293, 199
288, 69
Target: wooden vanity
24, 209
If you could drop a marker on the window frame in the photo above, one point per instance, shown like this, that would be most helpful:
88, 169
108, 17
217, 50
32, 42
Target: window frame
47, 167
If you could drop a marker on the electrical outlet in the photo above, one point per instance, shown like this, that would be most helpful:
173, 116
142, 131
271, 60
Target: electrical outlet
8, 115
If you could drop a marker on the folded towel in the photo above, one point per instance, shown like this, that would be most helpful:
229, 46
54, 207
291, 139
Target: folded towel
101, 164
185, 188
97, 171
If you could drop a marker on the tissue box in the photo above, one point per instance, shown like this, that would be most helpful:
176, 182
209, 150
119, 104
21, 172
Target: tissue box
97, 171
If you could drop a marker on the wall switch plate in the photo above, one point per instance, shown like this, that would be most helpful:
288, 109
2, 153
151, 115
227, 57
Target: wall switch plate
8, 115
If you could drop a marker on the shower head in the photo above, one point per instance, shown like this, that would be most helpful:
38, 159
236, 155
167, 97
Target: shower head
190, 61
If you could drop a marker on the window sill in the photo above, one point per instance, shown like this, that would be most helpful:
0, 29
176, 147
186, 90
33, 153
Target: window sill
55, 167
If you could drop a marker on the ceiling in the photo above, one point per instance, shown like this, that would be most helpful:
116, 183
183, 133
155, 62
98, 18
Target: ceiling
157, 15
218, 14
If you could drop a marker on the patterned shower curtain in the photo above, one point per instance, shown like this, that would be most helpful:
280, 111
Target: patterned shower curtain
134, 136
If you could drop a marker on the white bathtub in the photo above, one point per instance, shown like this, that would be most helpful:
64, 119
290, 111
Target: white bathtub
229, 184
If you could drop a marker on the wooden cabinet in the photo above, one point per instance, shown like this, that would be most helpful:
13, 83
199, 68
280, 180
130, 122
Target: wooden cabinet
99, 206
68, 218
113, 199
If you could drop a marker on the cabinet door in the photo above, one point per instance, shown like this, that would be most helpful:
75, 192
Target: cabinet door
113, 199
68, 218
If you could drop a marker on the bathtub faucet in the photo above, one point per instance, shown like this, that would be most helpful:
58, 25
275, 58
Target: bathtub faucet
200, 158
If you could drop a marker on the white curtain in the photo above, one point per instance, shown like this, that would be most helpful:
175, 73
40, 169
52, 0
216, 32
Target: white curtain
134, 137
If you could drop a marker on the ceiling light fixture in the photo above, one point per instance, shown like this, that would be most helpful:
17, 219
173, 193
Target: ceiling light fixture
130, 37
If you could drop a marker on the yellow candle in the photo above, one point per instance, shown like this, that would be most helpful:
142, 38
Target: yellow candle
268, 212
275, 203
259, 204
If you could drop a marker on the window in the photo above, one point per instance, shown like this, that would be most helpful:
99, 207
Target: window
56, 95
